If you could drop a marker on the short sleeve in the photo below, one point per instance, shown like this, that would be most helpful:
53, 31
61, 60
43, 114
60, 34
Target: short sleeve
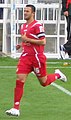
39, 30
21, 29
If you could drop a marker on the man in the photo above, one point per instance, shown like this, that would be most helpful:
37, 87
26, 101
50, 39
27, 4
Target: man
32, 58
66, 48
1, 10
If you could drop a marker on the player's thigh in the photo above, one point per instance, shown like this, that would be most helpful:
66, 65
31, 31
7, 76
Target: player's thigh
40, 69
24, 65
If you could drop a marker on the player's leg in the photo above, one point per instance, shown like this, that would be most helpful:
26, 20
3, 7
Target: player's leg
66, 48
22, 72
19, 89
48, 79
18, 93
44, 78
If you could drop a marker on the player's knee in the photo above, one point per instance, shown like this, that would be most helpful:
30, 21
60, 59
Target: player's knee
43, 84
20, 77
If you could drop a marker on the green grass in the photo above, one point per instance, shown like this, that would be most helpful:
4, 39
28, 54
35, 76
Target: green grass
38, 103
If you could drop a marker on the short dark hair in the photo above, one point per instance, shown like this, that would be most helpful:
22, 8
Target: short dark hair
32, 7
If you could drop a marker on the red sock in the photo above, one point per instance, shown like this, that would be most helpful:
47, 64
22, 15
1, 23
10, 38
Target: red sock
51, 78
18, 92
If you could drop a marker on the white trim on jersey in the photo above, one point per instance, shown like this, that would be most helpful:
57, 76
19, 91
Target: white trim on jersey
36, 55
33, 35
36, 24
37, 36
24, 54
41, 34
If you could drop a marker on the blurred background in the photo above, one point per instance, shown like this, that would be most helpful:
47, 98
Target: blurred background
48, 13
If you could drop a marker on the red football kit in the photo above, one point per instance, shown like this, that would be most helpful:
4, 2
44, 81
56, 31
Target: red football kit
32, 58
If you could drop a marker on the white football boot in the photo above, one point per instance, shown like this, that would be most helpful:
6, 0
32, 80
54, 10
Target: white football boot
63, 77
13, 112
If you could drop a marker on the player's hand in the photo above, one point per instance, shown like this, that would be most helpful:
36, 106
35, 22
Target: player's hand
24, 38
66, 13
18, 47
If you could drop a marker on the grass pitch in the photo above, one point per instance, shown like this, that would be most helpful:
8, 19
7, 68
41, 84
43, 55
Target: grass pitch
38, 103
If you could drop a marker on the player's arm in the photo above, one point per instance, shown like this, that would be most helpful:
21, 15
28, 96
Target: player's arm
38, 42
33, 41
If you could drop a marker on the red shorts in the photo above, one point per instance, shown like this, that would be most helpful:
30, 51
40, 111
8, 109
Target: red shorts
28, 63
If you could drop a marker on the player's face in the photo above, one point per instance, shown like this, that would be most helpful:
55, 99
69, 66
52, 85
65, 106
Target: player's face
28, 13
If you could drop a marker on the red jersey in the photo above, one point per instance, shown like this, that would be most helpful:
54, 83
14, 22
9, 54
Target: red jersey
34, 31
68, 2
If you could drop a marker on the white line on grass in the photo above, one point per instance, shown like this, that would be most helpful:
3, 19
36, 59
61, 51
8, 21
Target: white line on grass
47, 67
57, 62
7, 67
60, 67
54, 62
61, 88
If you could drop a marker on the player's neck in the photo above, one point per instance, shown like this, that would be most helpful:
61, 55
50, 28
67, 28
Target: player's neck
30, 21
